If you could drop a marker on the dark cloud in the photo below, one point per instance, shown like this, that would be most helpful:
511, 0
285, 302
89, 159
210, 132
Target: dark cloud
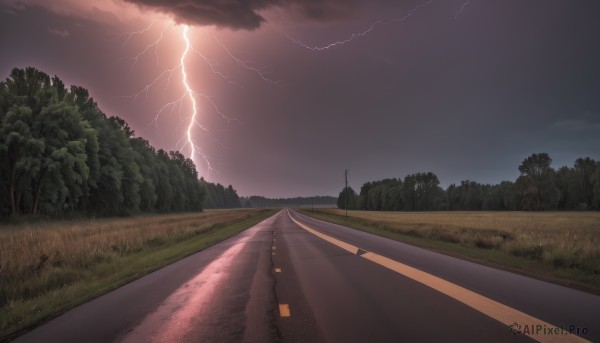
235, 14
323, 10
245, 14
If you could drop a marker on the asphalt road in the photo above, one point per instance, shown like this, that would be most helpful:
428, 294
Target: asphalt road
320, 282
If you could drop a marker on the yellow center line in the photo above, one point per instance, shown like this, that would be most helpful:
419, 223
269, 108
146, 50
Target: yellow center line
284, 310
500, 312
346, 246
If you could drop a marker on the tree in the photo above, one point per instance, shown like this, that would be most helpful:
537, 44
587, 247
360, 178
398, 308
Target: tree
43, 141
15, 138
536, 166
595, 179
473, 196
22, 97
233, 200
89, 111
584, 169
60, 166
348, 197
363, 198
409, 193
452, 198
499, 197
392, 195
383, 195
429, 194
537, 183
421, 192
218, 196
145, 157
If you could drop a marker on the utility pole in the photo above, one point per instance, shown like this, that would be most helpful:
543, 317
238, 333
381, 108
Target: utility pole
346, 192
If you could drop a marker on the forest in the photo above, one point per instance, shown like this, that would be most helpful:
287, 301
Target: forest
260, 201
60, 155
539, 187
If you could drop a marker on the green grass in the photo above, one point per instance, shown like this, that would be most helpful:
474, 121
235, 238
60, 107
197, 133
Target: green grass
560, 247
107, 253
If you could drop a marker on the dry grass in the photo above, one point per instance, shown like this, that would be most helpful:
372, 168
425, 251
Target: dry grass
76, 258
28, 248
557, 240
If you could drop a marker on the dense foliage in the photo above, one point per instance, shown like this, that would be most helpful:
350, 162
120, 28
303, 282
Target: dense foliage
60, 154
260, 201
220, 197
539, 187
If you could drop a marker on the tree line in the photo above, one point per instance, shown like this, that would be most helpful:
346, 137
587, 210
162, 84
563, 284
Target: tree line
60, 154
260, 201
218, 196
539, 187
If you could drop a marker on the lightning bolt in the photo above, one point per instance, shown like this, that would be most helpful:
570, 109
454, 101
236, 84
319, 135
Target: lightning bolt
187, 141
190, 94
462, 9
246, 65
370, 29
130, 35
154, 45
361, 34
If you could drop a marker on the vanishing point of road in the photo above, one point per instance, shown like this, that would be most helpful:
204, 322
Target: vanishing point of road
292, 278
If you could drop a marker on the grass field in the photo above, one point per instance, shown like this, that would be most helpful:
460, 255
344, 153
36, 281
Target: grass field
47, 268
562, 247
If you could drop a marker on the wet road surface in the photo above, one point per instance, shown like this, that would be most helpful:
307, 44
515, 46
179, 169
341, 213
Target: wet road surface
292, 278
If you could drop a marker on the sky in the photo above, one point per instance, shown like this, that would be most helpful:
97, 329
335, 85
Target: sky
290, 93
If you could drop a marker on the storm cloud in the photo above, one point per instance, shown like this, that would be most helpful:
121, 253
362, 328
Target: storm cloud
244, 14
231, 14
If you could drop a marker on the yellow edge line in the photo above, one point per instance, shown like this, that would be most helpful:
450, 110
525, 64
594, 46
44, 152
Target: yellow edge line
491, 308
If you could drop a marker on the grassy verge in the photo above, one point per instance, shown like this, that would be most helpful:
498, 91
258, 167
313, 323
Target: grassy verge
48, 268
560, 247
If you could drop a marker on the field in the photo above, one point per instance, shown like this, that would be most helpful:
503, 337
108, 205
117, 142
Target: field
48, 267
562, 247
